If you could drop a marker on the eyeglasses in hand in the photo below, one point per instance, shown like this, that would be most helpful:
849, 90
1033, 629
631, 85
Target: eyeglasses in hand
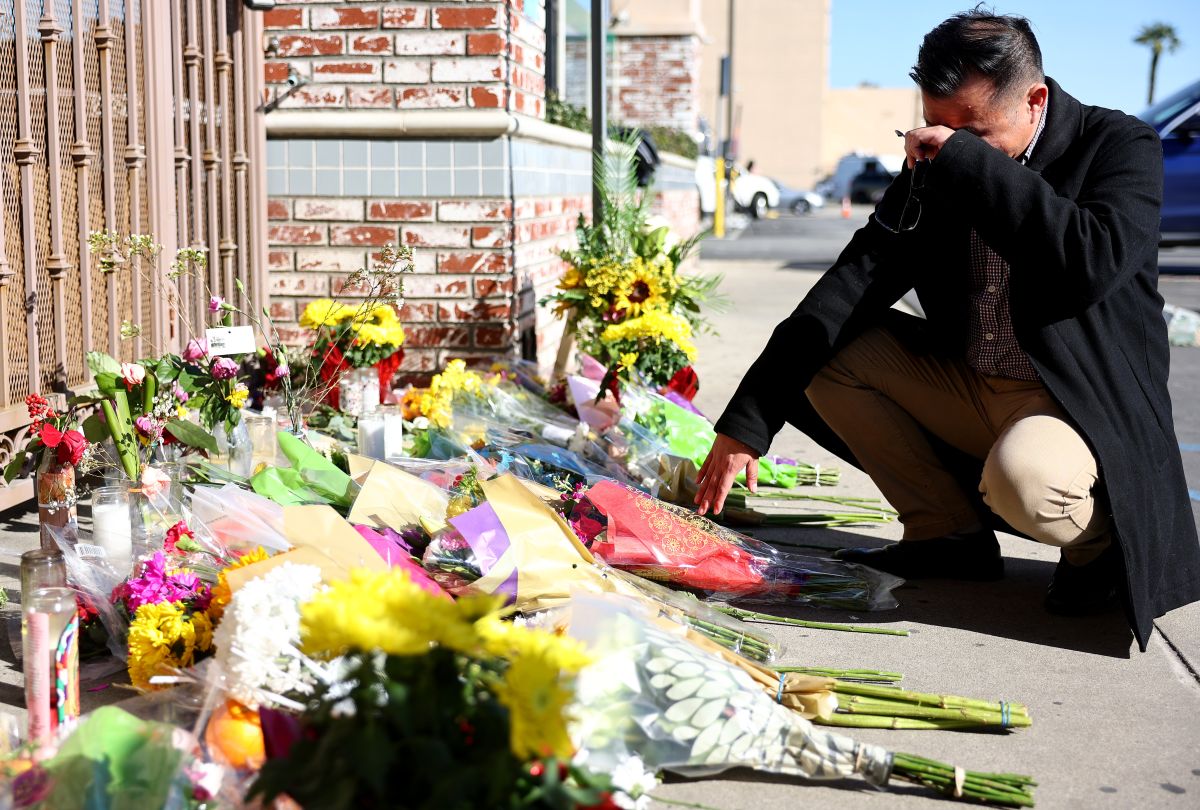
910, 214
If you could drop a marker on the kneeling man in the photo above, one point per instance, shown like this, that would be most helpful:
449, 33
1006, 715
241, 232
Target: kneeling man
1036, 389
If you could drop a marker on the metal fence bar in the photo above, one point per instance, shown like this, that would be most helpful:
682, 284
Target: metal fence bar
192, 57
240, 159
56, 263
103, 37
256, 203
135, 159
25, 151
210, 155
81, 155
6, 274
182, 158
222, 63
167, 176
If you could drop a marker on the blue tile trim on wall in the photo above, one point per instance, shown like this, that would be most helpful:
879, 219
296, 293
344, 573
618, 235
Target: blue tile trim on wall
387, 168
436, 168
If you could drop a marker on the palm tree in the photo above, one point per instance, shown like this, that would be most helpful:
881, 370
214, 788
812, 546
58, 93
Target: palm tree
1157, 37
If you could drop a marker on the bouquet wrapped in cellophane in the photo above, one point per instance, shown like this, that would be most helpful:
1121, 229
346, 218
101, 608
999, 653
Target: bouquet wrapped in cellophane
683, 708
667, 543
510, 542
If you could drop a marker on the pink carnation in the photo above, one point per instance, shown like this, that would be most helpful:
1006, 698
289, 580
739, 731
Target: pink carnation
224, 369
156, 584
196, 349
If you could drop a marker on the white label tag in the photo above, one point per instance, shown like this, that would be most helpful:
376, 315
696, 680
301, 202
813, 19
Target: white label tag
556, 435
225, 340
87, 551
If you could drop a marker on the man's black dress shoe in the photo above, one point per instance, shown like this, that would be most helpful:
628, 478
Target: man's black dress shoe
974, 556
1083, 590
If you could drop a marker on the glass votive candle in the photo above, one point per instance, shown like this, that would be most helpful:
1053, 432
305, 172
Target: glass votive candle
369, 381
371, 435
42, 568
50, 659
112, 525
350, 393
393, 431
261, 428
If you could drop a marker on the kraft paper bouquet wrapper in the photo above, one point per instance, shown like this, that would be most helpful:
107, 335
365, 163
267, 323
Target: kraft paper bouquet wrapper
515, 545
398, 500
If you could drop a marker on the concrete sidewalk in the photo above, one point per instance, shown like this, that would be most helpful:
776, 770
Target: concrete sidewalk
1112, 727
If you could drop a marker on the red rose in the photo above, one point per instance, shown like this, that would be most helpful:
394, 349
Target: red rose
71, 447
50, 435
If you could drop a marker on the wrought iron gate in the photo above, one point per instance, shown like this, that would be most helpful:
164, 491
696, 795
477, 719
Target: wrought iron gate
136, 116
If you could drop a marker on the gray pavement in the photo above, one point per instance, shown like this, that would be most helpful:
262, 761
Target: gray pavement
1112, 727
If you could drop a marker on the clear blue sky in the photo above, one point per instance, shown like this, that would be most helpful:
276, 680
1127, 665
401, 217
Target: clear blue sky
1087, 45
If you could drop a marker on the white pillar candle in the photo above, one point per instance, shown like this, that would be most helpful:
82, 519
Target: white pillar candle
112, 530
393, 432
371, 440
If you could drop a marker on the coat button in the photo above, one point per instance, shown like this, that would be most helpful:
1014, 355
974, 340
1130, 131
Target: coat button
989, 336
991, 288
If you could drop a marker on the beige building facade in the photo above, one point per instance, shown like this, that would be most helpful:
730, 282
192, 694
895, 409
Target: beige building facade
865, 119
785, 118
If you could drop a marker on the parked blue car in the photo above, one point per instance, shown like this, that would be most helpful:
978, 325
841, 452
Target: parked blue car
1177, 121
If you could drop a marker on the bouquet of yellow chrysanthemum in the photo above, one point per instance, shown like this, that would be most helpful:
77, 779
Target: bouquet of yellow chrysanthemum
346, 337
363, 335
425, 678
655, 345
454, 382
627, 268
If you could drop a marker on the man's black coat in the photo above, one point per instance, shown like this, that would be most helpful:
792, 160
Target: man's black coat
1078, 226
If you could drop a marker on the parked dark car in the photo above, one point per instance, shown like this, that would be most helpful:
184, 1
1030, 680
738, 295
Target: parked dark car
869, 184
1177, 120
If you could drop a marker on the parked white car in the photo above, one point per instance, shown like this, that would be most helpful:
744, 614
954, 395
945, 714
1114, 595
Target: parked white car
751, 192
837, 185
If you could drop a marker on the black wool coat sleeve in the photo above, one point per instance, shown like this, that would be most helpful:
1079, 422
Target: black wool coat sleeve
1078, 226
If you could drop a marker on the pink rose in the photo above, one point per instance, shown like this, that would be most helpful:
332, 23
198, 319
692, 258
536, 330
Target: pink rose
132, 374
154, 481
196, 349
215, 302
71, 448
224, 369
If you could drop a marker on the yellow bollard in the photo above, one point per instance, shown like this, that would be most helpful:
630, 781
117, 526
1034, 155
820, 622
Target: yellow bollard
719, 208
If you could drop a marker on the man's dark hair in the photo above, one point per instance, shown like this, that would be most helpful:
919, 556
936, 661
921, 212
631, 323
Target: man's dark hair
999, 48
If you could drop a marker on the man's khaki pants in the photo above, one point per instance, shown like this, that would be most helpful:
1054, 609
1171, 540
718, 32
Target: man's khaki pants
1038, 473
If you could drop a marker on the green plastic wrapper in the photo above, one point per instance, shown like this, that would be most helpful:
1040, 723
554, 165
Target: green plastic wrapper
312, 478
114, 761
689, 435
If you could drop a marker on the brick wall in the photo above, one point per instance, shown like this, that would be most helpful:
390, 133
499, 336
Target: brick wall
544, 226
485, 217
460, 295
656, 81
416, 55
